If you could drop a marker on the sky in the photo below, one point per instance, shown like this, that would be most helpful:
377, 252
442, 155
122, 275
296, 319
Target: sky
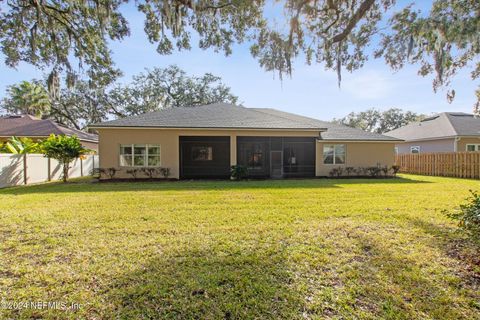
311, 91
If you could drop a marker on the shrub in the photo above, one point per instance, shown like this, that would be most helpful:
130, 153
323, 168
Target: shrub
111, 172
64, 149
468, 216
349, 170
385, 170
165, 172
238, 172
395, 169
339, 171
106, 172
361, 171
97, 172
150, 172
336, 172
333, 172
373, 171
133, 173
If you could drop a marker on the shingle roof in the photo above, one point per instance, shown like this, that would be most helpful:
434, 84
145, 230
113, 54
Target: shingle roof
219, 115
228, 116
29, 126
334, 131
464, 124
442, 125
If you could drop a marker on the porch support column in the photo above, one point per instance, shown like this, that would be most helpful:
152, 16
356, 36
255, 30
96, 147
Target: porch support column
176, 171
233, 149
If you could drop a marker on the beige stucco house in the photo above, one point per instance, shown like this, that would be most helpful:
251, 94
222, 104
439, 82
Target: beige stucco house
445, 132
204, 141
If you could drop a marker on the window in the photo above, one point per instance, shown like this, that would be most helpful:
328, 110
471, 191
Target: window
202, 153
396, 150
473, 147
334, 154
139, 155
126, 155
415, 149
153, 154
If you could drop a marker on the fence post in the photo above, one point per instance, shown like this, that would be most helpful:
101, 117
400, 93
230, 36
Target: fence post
81, 167
24, 168
49, 168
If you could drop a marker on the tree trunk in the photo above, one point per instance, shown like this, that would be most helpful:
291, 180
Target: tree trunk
65, 172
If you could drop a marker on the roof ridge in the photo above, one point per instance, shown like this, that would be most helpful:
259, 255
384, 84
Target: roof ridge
457, 113
59, 127
296, 115
176, 108
447, 115
54, 125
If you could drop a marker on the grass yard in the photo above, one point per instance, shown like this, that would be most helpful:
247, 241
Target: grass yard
292, 249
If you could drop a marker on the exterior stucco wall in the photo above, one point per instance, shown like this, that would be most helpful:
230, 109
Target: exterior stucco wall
440, 145
357, 154
168, 139
463, 141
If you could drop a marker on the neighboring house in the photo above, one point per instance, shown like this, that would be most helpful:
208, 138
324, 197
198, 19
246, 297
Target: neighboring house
445, 132
204, 141
27, 126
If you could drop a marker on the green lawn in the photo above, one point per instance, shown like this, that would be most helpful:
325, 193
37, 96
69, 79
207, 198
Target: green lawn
292, 249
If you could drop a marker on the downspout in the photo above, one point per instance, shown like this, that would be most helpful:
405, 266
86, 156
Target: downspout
455, 144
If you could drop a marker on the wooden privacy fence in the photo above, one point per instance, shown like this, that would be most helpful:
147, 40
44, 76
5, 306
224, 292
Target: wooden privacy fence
451, 164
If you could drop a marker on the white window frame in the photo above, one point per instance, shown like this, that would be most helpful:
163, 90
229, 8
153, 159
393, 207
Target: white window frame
476, 147
334, 155
147, 146
415, 147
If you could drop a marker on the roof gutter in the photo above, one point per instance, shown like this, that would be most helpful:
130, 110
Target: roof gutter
442, 138
43, 136
455, 144
429, 139
352, 140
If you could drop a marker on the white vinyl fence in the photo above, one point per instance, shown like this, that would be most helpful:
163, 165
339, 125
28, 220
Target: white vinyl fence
18, 169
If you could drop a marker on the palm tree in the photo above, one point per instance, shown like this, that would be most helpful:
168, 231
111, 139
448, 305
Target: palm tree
20, 146
27, 98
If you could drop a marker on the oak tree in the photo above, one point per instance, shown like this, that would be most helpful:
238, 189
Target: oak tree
374, 120
72, 36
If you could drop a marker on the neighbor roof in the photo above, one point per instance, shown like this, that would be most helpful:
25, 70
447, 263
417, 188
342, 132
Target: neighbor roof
228, 116
442, 125
30, 126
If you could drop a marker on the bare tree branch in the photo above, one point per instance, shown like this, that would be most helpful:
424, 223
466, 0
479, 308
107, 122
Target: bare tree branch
357, 16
